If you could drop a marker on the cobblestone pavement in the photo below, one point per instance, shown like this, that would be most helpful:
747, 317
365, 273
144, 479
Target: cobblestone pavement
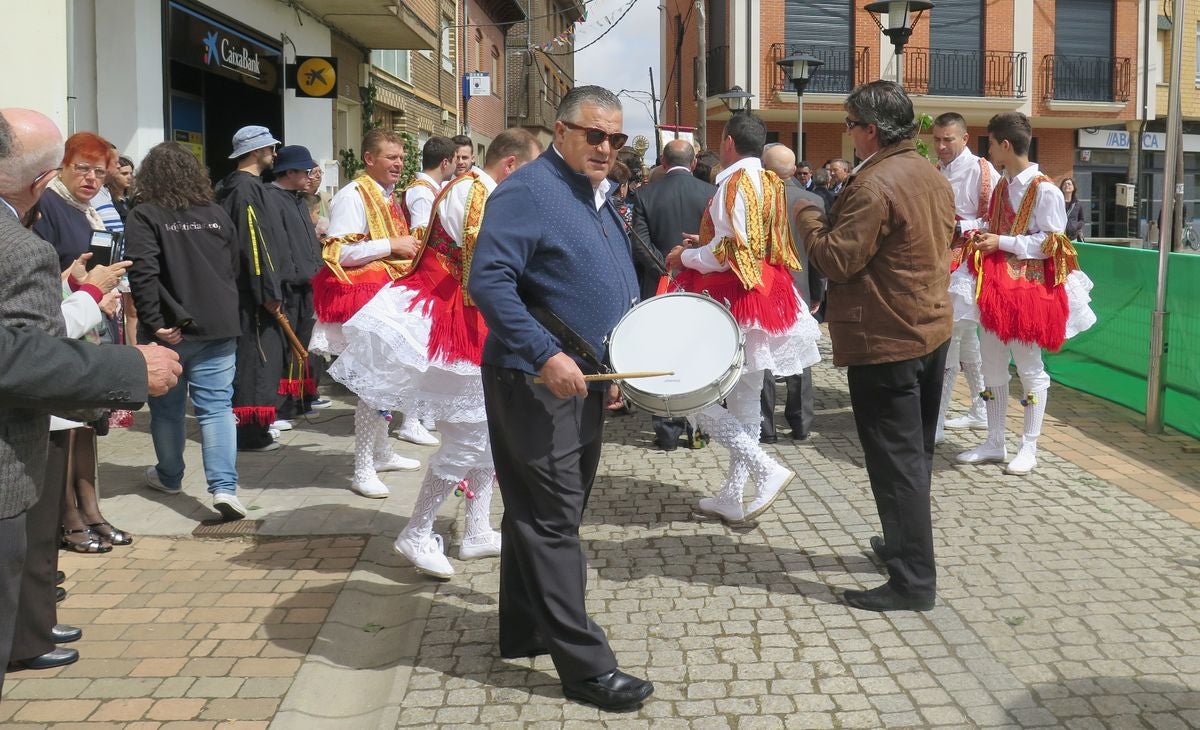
1067, 598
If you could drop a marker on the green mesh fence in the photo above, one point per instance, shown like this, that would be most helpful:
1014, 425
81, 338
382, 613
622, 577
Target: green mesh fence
1110, 360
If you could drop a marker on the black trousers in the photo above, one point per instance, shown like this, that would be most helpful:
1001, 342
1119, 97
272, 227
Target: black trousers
546, 451
896, 410
668, 430
12, 569
37, 612
798, 410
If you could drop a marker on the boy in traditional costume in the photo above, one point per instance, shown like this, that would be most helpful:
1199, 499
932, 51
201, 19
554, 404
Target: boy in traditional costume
744, 257
368, 247
1021, 281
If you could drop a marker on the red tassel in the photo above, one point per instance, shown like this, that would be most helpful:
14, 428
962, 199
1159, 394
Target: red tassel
290, 387
261, 415
336, 301
456, 330
772, 305
1022, 310
310, 386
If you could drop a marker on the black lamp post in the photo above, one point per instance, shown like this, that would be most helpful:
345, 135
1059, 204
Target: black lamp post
902, 16
800, 67
736, 100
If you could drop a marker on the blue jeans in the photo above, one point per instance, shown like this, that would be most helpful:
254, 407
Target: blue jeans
208, 368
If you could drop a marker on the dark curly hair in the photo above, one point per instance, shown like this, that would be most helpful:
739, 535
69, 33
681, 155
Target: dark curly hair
172, 177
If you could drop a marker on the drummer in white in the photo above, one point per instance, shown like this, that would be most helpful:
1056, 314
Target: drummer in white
744, 259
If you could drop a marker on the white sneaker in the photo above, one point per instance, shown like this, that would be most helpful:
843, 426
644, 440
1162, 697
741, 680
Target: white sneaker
274, 432
370, 487
229, 506
1024, 462
426, 556
396, 462
156, 484
769, 491
725, 511
983, 454
413, 432
485, 546
429, 424
281, 425
967, 421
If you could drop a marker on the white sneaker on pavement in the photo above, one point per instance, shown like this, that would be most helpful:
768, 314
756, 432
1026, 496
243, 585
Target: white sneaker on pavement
1025, 460
967, 421
371, 487
229, 506
724, 511
396, 462
983, 454
413, 432
281, 425
156, 484
426, 555
769, 491
484, 546
429, 424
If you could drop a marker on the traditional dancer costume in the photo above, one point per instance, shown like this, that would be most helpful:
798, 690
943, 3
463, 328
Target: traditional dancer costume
416, 346
417, 203
973, 179
746, 264
1028, 295
358, 263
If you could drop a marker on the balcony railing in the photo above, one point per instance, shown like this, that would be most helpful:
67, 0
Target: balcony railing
965, 73
845, 67
1085, 78
717, 68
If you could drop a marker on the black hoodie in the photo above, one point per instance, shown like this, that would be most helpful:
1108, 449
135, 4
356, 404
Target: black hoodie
256, 222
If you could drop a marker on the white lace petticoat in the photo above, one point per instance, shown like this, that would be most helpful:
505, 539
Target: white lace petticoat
788, 353
386, 362
1080, 316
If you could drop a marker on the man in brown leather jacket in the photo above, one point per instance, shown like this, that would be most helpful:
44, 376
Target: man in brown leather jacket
884, 249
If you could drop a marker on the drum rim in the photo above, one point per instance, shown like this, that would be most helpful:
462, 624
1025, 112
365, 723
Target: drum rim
737, 328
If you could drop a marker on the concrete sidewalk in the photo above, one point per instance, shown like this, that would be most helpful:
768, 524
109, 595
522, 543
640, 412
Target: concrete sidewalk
1066, 599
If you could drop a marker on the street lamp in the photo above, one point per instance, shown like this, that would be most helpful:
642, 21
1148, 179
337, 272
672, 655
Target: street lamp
800, 67
899, 28
736, 100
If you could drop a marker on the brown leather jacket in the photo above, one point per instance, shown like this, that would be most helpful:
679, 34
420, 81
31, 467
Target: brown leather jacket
885, 252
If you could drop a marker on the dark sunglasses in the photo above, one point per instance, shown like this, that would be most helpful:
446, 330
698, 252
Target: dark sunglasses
596, 137
852, 123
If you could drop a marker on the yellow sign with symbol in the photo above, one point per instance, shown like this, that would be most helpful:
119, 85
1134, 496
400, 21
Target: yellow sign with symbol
316, 77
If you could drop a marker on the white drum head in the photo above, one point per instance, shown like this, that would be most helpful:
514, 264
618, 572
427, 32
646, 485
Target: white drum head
688, 333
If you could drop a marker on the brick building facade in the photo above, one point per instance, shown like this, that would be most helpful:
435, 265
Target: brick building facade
486, 28
538, 79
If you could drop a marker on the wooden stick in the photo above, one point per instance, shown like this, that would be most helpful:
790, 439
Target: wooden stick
620, 376
297, 347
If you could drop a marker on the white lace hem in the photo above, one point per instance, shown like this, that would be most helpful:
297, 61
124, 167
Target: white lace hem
327, 339
962, 295
786, 354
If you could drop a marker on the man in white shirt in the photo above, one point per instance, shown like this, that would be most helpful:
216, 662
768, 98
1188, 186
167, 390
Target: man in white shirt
973, 180
464, 154
437, 168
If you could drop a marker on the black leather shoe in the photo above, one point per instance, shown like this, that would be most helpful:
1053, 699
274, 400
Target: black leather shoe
614, 692
60, 594
64, 634
666, 447
885, 598
59, 577
768, 439
879, 547
799, 435
60, 657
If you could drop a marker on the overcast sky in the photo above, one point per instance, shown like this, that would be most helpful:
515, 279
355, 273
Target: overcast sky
622, 59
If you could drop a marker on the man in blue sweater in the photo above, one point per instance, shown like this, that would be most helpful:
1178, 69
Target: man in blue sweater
551, 239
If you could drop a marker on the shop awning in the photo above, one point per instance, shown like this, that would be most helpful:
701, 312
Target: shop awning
374, 24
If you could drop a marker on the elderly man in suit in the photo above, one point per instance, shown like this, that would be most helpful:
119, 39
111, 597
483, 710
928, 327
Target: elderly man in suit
31, 148
798, 410
662, 212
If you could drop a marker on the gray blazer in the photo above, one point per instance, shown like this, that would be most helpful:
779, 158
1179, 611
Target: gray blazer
809, 282
662, 212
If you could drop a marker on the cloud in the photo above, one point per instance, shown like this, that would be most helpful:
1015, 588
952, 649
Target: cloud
622, 59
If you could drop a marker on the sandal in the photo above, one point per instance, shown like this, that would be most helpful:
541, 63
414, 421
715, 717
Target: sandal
107, 532
90, 544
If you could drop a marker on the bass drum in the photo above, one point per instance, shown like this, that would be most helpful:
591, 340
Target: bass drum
689, 334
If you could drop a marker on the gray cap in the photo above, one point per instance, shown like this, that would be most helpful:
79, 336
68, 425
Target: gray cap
248, 139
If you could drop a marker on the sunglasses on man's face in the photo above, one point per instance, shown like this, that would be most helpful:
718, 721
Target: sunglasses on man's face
595, 137
852, 123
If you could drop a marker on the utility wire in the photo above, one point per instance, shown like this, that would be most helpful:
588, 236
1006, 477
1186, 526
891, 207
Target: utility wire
596, 40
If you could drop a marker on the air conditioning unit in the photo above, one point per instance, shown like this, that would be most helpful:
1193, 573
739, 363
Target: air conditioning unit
1124, 196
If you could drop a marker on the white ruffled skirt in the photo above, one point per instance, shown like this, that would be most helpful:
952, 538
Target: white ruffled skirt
1080, 316
784, 354
386, 362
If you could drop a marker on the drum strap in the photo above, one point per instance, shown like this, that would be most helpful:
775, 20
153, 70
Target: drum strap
571, 340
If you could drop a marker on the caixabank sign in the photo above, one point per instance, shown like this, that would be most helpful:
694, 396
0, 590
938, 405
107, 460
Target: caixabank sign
206, 43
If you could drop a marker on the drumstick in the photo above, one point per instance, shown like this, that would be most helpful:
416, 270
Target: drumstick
620, 376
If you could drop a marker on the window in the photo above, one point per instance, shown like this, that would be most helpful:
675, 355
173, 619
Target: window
495, 69
447, 45
478, 50
1197, 55
395, 63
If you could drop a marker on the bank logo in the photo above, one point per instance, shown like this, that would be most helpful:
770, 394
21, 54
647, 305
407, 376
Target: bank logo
211, 54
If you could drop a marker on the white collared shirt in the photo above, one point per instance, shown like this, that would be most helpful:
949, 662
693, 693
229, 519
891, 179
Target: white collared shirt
704, 258
963, 175
1049, 215
600, 191
348, 216
670, 170
452, 208
419, 200
14, 210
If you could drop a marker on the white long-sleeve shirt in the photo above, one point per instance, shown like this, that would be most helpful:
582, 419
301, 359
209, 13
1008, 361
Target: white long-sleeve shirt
704, 258
348, 216
963, 175
1049, 215
419, 201
452, 208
